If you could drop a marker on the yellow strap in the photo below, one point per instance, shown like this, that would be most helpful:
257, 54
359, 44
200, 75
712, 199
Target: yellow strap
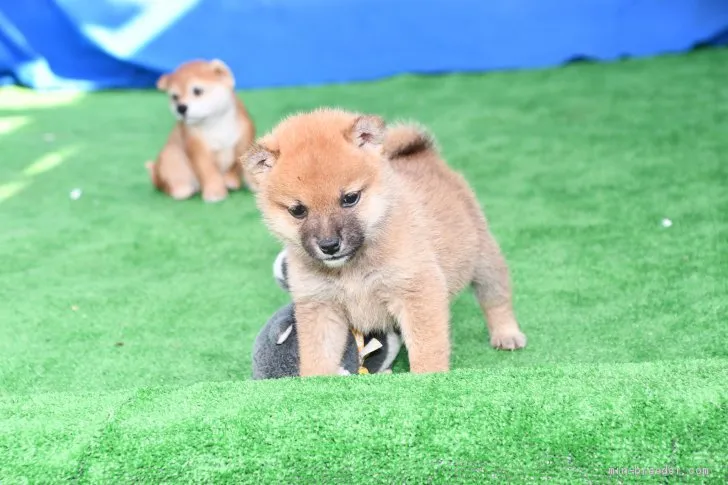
359, 338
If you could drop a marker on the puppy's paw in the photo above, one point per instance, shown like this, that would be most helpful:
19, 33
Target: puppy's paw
508, 340
232, 181
182, 192
214, 194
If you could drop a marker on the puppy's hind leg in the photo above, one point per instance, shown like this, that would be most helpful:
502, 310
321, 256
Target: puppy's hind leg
174, 174
492, 287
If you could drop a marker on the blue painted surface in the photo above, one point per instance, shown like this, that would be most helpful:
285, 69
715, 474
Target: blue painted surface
51, 44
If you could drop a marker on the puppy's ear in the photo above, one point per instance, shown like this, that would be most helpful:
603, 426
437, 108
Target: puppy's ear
163, 82
257, 162
367, 131
223, 72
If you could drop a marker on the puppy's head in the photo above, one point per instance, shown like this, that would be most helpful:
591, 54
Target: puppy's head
322, 183
198, 90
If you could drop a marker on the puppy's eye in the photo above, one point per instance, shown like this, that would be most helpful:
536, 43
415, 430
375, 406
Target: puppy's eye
175, 97
350, 199
197, 91
298, 211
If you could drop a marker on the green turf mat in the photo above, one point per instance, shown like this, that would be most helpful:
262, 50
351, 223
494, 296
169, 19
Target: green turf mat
569, 423
127, 319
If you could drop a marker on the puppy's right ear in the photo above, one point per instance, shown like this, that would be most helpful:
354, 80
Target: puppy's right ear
223, 71
257, 161
163, 82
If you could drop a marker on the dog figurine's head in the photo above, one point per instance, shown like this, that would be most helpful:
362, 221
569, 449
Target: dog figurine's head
199, 90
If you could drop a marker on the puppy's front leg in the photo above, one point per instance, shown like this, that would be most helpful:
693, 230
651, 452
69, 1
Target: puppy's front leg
205, 168
423, 313
233, 177
322, 336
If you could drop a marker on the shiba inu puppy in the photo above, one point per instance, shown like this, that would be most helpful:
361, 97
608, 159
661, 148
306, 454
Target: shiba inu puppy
380, 232
213, 130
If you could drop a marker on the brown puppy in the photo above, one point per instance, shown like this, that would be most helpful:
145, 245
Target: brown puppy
213, 130
378, 229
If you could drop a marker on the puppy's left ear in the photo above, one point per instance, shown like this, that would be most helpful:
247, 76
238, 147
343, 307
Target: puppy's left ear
163, 82
223, 72
257, 162
367, 131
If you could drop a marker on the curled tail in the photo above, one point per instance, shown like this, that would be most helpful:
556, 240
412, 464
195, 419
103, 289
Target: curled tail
405, 140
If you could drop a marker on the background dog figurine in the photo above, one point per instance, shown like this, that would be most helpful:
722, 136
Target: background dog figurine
381, 233
213, 130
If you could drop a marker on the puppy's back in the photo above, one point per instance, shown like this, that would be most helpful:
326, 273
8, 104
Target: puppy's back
450, 213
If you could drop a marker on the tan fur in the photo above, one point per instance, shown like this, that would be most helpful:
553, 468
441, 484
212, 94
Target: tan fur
426, 237
202, 151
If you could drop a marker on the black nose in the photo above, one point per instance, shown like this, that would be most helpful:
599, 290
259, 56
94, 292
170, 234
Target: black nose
329, 245
181, 109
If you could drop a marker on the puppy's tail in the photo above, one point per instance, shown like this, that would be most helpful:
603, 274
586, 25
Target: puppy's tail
406, 140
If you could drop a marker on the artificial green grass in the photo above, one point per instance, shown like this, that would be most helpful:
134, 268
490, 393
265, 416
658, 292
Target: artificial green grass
516, 424
127, 319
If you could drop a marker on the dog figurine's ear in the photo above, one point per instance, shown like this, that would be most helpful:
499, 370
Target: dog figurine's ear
275, 351
280, 270
257, 162
367, 131
163, 82
285, 334
223, 72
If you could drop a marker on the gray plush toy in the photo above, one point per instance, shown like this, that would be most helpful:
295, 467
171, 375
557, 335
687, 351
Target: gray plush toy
275, 352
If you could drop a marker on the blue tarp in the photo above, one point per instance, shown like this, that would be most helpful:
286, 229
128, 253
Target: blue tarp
94, 44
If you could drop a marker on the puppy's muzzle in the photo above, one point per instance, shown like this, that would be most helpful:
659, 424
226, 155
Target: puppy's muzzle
329, 245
